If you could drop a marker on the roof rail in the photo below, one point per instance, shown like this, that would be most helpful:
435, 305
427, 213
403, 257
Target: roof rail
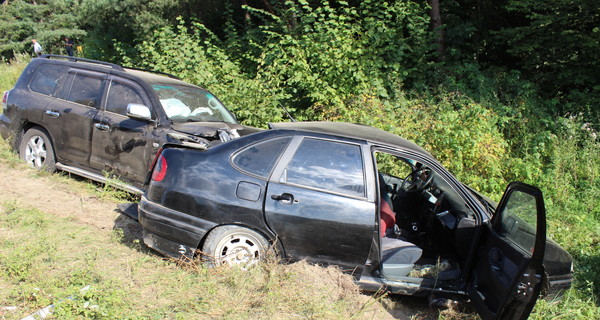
157, 72
74, 59
112, 65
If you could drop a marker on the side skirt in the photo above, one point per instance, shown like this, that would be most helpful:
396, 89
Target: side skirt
412, 287
100, 178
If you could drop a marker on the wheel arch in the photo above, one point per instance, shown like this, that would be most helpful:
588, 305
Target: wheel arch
26, 126
49, 159
274, 242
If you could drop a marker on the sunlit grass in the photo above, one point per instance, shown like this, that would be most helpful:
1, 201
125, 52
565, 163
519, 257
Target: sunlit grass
127, 281
11, 70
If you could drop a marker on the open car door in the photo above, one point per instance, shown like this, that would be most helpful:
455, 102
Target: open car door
509, 274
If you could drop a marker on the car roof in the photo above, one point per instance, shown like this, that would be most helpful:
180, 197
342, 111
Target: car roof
150, 77
351, 130
107, 67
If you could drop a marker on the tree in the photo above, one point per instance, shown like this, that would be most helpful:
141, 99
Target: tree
558, 43
47, 21
436, 26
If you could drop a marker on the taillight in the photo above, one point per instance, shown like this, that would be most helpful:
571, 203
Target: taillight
160, 169
4, 98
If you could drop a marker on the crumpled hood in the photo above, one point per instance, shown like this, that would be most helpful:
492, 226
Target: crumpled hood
204, 129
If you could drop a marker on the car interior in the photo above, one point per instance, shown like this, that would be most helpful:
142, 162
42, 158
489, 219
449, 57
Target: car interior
427, 230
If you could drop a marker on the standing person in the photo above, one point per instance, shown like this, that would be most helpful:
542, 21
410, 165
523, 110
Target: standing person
69, 46
37, 48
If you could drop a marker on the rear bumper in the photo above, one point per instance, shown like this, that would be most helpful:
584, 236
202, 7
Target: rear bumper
170, 232
5, 124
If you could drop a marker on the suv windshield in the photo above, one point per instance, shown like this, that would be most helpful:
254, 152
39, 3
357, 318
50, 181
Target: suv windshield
186, 103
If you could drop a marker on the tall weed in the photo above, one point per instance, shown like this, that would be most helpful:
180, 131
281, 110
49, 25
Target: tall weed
573, 188
11, 70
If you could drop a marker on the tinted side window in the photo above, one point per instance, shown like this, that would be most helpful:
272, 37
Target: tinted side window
328, 165
86, 90
48, 78
119, 96
260, 158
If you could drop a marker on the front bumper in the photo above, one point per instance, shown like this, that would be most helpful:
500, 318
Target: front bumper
558, 284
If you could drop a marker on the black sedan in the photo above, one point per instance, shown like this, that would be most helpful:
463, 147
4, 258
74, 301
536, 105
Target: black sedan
369, 201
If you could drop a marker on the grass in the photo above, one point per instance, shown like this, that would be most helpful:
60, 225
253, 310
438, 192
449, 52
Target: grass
11, 70
48, 260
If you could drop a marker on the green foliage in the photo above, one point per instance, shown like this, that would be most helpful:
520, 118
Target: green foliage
555, 44
46, 21
301, 64
573, 184
579, 171
332, 53
194, 55
117, 25
558, 43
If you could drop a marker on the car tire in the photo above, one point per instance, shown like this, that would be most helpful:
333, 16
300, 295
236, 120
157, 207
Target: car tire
234, 246
37, 151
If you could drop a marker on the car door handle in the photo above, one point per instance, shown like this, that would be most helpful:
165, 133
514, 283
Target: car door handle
52, 114
101, 126
284, 198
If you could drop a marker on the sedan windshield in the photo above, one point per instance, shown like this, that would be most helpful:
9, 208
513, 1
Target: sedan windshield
191, 104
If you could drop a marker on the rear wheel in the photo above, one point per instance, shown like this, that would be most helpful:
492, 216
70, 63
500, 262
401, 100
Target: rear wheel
37, 150
234, 246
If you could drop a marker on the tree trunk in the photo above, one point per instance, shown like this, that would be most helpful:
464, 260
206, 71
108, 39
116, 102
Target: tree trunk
436, 27
246, 13
269, 7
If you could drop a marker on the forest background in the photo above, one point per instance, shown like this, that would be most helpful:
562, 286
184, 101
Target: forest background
497, 90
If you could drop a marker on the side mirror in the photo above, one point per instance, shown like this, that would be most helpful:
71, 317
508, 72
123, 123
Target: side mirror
138, 111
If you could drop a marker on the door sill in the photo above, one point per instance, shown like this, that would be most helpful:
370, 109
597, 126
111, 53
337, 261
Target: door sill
99, 178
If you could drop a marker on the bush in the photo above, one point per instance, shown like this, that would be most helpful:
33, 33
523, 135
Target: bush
194, 55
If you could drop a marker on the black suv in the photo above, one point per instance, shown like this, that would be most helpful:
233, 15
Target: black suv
99, 120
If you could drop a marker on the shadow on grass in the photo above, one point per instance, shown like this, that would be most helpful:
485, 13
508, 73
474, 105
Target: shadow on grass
587, 275
130, 230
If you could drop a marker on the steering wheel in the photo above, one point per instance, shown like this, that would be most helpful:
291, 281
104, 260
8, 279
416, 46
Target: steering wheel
417, 180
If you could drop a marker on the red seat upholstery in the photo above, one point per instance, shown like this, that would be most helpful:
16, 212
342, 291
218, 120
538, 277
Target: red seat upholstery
387, 218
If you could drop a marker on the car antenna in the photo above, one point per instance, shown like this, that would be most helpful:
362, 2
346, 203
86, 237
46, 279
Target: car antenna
286, 112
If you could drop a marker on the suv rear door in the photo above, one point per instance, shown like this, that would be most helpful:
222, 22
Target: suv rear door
123, 145
69, 119
509, 273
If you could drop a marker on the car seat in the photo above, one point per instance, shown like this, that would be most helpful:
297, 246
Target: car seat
398, 257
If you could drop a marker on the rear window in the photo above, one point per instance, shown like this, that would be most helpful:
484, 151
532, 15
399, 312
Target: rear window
260, 158
48, 79
86, 90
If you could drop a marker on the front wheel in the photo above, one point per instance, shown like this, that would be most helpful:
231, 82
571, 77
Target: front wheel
234, 246
37, 150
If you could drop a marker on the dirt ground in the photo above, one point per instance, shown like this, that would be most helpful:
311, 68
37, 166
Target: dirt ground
71, 200
56, 198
